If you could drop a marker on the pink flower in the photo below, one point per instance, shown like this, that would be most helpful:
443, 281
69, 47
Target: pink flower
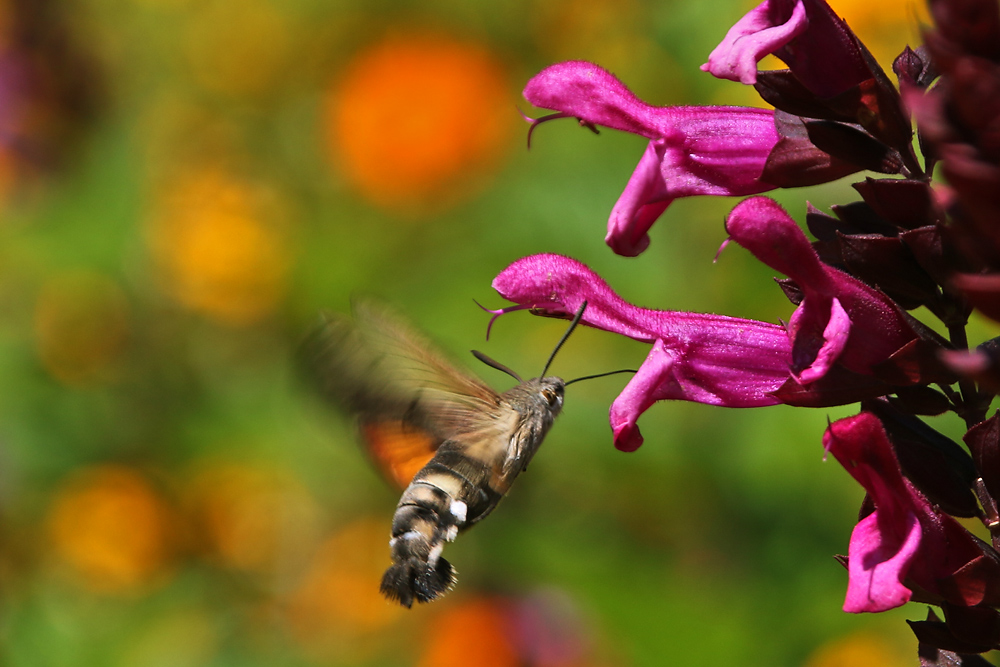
840, 320
815, 43
905, 540
710, 359
692, 150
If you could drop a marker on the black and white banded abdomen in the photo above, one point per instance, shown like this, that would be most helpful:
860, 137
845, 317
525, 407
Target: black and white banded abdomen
449, 494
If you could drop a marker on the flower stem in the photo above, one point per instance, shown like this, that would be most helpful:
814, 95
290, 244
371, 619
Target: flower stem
973, 409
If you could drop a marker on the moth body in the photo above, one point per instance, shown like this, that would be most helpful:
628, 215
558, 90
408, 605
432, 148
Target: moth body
449, 440
459, 486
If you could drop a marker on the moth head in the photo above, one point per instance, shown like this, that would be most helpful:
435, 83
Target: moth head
551, 391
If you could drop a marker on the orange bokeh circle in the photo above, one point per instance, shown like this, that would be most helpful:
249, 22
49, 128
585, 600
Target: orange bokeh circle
112, 527
416, 121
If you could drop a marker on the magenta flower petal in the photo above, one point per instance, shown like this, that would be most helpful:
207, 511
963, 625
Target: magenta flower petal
703, 358
906, 539
590, 92
692, 151
638, 396
885, 543
644, 199
841, 319
835, 337
559, 285
877, 565
750, 39
815, 43
718, 151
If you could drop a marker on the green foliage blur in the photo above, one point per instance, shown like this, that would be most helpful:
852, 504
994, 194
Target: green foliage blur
187, 184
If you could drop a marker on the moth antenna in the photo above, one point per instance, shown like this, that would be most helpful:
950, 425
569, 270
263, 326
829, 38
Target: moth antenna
572, 325
600, 375
493, 363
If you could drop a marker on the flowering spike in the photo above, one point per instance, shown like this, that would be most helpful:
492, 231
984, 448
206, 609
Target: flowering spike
912, 242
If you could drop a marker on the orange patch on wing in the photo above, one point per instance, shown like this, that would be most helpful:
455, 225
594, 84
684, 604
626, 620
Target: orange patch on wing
399, 450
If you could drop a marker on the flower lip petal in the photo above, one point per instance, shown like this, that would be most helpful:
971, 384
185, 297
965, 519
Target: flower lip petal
876, 567
815, 43
835, 336
750, 39
627, 437
643, 200
906, 539
638, 395
884, 544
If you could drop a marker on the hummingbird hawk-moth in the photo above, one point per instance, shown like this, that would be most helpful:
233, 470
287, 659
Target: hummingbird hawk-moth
453, 443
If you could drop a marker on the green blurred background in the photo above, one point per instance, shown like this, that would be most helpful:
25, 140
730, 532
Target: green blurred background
186, 184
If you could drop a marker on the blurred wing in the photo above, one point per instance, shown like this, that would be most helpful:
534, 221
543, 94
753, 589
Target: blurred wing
407, 397
397, 449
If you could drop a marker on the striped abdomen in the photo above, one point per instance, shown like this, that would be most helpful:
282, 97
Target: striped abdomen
461, 485
452, 492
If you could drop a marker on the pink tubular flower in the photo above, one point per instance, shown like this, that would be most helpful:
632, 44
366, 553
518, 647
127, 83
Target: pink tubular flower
841, 319
710, 359
692, 150
905, 539
815, 43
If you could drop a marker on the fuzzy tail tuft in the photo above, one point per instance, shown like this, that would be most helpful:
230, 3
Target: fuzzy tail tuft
414, 579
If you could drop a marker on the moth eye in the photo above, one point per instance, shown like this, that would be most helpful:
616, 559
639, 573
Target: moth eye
551, 395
